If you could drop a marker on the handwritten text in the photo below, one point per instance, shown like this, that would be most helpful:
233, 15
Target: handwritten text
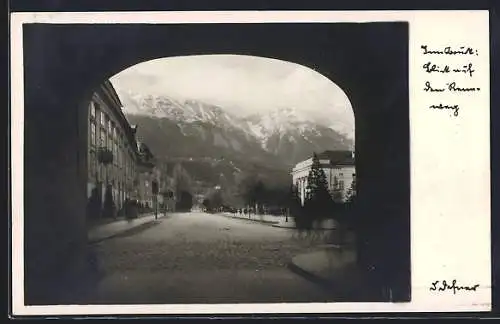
444, 286
436, 66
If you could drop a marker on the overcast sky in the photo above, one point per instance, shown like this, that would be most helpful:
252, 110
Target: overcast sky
244, 84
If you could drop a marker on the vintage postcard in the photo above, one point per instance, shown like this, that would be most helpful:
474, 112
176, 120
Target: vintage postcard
250, 162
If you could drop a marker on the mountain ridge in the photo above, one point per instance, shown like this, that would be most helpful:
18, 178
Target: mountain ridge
283, 121
204, 135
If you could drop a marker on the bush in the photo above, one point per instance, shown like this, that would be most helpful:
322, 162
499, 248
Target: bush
185, 203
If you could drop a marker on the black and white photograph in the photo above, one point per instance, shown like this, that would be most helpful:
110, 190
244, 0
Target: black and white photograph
217, 163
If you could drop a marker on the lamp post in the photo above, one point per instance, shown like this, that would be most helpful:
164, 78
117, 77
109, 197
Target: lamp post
154, 188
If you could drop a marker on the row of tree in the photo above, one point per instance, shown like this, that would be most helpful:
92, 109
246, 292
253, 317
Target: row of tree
258, 194
253, 192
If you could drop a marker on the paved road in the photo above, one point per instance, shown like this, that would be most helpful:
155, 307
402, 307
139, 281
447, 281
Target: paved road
202, 258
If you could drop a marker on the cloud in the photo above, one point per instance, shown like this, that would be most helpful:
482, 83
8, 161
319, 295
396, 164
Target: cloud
246, 84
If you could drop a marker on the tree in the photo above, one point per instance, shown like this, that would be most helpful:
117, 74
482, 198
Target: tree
185, 202
294, 203
277, 198
303, 221
207, 204
182, 180
246, 188
259, 193
216, 200
318, 202
351, 192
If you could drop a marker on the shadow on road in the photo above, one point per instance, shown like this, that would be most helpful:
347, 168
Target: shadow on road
131, 231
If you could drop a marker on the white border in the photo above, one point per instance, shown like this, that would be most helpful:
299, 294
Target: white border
427, 212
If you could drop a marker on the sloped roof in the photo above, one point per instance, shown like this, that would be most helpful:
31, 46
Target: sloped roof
337, 157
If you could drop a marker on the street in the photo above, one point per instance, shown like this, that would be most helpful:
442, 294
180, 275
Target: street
204, 258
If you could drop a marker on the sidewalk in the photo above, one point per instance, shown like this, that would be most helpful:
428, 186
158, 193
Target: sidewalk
108, 230
335, 270
326, 225
267, 219
279, 221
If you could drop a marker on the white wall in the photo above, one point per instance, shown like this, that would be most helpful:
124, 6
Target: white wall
344, 174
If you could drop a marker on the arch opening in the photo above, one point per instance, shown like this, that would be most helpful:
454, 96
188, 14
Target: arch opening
228, 135
280, 111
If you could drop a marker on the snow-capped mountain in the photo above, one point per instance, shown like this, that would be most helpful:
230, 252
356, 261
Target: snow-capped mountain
188, 111
286, 125
206, 136
277, 132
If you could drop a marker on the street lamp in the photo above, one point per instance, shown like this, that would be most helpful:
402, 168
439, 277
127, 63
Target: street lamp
154, 189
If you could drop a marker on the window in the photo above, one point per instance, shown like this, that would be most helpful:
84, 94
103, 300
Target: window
97, 109
91, 165
109, 143
92, 110
103, 118
341, 185
103, 138
92, 134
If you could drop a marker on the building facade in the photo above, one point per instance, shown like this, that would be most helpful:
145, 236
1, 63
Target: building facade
147, 174
339, 168
115, 159
168, 198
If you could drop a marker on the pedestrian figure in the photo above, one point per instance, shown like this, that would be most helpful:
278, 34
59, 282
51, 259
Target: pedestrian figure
93, 205
126, 208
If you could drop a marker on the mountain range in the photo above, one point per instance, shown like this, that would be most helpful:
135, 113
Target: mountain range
206, 135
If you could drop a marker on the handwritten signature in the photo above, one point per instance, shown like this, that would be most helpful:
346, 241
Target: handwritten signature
443, 286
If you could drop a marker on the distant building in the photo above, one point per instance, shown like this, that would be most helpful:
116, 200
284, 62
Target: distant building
167, 189
339, 168
147, 173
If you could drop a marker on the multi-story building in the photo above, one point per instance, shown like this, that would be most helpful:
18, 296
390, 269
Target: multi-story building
115, 159
339, 168
147, 174
167, 197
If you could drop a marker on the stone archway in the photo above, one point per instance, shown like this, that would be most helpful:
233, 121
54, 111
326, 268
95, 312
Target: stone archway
64, 63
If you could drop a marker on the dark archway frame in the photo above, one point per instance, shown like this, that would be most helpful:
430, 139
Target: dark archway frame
63, 64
